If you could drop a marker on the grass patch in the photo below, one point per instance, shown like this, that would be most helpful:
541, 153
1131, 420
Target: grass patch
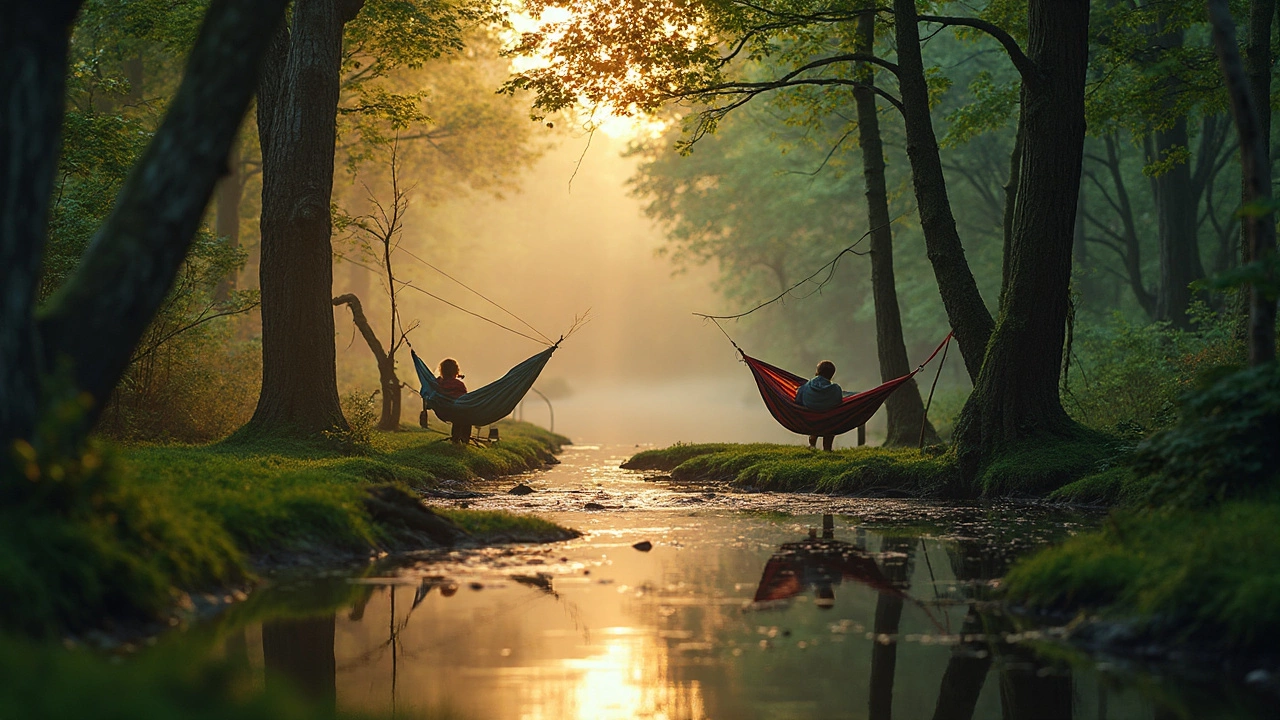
1038, 467
111, 537
1119, 486
1212, 575
501, 526
792, 468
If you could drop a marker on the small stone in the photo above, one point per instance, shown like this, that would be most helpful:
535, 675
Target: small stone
643, 546
520, 489
593, 506
476, 586
1258, 677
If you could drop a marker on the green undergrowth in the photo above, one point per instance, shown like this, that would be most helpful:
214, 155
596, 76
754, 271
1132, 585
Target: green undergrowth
1197, 555
1212, 574
1116, 486
851, 471
114, 534
1038, 467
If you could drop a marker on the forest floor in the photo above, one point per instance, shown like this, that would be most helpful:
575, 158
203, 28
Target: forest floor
126, 528
1031, 472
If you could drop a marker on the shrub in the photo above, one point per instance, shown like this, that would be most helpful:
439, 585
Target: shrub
1126, 379
1226, 444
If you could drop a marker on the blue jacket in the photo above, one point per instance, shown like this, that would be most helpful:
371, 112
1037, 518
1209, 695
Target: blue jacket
819, 394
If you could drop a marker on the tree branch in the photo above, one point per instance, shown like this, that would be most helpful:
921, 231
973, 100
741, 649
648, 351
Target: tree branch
1021, 62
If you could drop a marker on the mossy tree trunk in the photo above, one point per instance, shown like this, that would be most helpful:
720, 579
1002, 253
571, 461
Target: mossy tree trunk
965, 309
1016, 394
905, 411
390, 383
297, 128
34, 41
85, 334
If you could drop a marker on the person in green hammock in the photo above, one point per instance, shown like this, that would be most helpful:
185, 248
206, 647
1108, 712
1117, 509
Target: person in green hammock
452, 387
821, 394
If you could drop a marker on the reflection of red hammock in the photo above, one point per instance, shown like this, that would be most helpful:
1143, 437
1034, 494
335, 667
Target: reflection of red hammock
786, 572
778, 388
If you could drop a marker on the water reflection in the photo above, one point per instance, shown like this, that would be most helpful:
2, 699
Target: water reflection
731, 615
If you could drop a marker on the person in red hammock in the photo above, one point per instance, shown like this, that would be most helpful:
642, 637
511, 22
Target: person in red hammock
821, 394
451, 386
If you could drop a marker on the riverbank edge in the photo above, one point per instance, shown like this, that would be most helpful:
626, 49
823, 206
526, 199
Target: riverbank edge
1041, 470
177, 532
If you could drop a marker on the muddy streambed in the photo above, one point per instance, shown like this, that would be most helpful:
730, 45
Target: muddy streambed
744, 606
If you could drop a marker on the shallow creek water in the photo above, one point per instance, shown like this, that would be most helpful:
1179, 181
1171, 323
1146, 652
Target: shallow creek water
748, 605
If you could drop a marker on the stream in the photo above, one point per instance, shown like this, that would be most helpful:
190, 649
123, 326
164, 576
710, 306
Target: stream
741, 606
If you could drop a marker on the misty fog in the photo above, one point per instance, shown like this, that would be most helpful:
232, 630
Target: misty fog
643, 371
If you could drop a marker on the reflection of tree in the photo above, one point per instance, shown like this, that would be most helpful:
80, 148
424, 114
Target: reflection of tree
1026, 691
896, 567
299, 653
965, 674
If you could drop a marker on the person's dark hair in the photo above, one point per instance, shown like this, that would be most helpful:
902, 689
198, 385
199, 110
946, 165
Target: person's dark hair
448, 368
827, 369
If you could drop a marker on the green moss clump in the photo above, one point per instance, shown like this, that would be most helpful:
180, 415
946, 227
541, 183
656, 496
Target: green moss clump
1035, 468
792, 468
1118, 485
1211, 574
669, 458
501, 526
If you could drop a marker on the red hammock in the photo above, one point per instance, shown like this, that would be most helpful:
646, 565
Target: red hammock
778, 388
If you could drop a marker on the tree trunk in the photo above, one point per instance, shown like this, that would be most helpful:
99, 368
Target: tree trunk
1257, 66
33, 69
904, 409
1259, 224
1016, 395
297, 108
386, 364
94, 321
966, 311
227, 214
1177, 240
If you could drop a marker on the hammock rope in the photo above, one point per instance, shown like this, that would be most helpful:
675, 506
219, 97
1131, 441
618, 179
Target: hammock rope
478, 294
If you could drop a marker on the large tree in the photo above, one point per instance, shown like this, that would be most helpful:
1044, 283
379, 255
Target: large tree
297, 129
80, 341
298, 103
1016, 395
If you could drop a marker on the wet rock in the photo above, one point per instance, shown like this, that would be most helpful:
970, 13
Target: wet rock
520, 489
643, 546
593, 506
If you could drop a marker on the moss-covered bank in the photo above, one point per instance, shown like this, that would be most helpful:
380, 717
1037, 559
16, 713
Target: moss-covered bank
1031, 471
117, 534
1210, 576
1197, 557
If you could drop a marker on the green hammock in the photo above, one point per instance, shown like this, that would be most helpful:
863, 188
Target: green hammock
486, 405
